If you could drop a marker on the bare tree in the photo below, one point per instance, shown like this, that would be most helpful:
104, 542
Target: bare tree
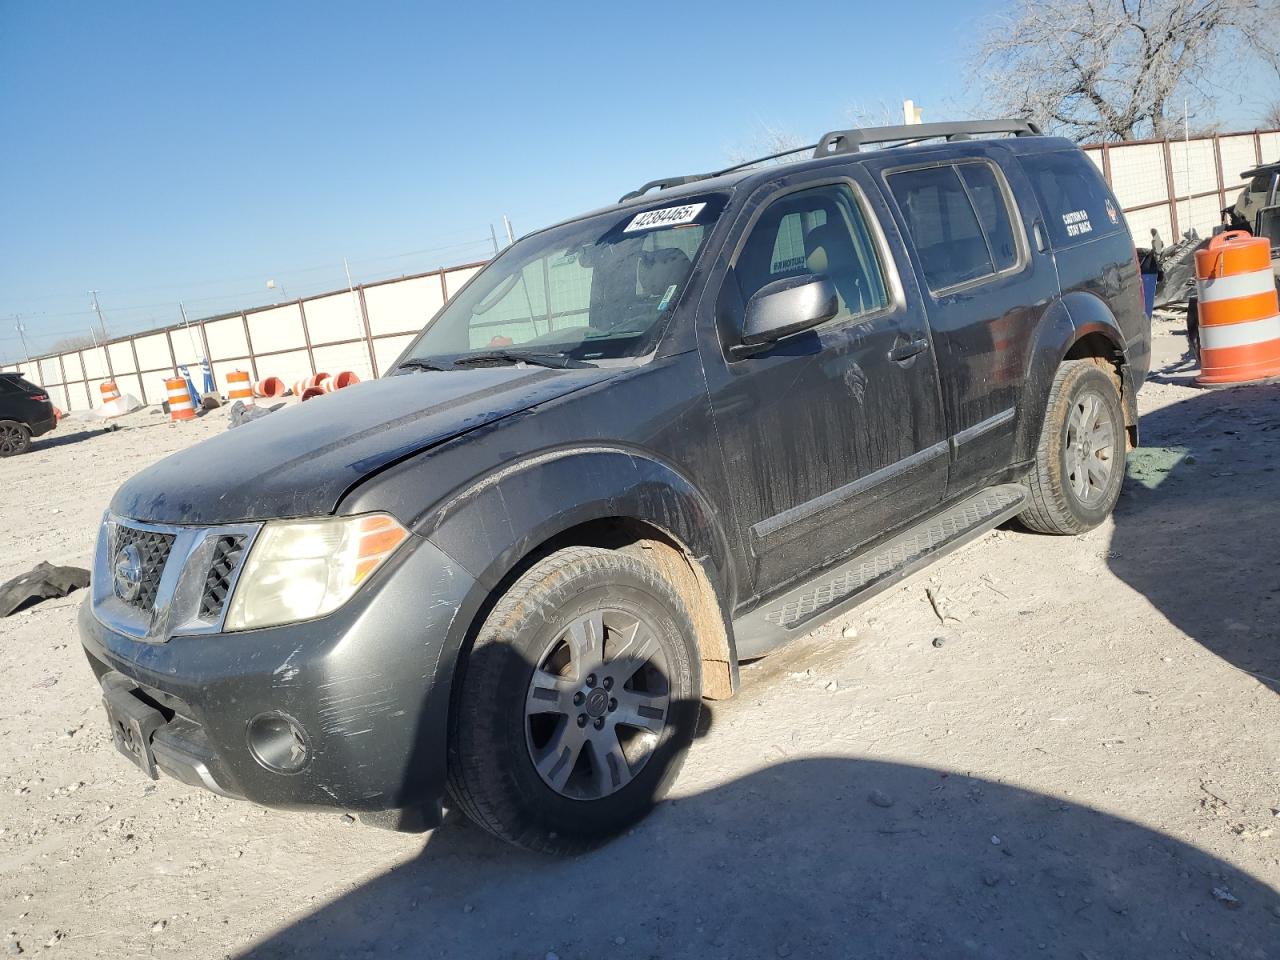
1271, 117
767, 140
1119, 69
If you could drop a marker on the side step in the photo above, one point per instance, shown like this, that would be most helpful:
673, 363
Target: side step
836, 589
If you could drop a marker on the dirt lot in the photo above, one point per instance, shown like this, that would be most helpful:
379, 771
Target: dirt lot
1086, 764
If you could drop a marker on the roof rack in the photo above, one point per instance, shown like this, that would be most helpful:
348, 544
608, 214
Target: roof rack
668, 182
851, 141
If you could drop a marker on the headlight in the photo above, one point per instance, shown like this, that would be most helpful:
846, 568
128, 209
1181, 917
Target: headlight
302, 569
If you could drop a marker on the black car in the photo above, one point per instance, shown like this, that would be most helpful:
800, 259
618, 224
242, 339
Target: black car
638, 448
25, 412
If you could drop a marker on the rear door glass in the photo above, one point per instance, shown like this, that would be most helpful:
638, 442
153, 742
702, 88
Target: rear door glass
943, 226
993, 211
1075, 200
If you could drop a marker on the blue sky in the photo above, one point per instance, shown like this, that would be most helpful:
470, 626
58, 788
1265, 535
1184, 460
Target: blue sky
166, 152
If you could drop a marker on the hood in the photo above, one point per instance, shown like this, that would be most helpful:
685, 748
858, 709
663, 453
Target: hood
299, 461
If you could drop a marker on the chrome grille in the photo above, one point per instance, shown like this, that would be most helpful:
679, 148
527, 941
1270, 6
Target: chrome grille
153, 551
227, 554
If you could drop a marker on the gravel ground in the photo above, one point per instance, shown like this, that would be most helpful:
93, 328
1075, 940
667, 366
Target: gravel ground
1085, 764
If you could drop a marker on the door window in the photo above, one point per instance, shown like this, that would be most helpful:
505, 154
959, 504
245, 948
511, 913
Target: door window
993, 212
821, 231
944, 226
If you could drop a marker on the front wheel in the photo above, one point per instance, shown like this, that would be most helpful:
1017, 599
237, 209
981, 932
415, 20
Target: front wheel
577, 703
1079, 464
15, 438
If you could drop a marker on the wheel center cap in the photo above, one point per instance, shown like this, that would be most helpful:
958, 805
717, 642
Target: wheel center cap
597, 703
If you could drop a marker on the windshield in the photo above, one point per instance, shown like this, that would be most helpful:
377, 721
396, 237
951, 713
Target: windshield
592, 289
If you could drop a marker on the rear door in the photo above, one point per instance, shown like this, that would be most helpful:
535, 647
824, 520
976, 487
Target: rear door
986, 289
834, 435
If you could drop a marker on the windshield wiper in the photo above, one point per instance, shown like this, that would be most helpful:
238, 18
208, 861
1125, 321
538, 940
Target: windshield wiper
417, 363
558, 361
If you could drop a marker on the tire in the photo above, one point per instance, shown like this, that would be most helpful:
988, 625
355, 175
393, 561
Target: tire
531, 751
15, 438
1079, 466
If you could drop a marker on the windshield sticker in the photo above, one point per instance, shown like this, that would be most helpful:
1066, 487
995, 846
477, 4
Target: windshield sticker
1077, 222
666, 297
666, 217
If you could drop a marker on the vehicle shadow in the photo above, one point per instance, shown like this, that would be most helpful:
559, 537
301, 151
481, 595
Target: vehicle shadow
1196, 529
804, 859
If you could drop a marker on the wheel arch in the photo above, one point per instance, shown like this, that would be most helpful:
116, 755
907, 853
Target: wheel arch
1075, 327
503, 523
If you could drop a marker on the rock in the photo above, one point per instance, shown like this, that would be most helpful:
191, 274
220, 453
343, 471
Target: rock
849, 633
832, 687
1225, 897
13, 948
159, 925
939, 641
348, 819
880, 799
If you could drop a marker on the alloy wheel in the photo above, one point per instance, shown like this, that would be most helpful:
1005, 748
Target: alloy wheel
597, 704
1089, 448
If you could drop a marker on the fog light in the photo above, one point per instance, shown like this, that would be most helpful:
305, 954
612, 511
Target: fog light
278, 743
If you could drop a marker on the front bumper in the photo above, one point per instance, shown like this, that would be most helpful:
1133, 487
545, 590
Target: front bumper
367, 685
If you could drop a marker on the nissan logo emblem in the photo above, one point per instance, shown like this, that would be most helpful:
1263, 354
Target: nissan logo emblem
127, 573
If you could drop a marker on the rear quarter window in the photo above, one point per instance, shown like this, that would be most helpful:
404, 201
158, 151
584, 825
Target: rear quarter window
1076, 202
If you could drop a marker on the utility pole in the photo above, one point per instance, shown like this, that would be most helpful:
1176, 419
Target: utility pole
493, 235
22, 332
98, 310
511, 236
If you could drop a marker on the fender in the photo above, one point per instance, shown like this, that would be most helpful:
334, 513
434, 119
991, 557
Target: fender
1065, 323
492, 523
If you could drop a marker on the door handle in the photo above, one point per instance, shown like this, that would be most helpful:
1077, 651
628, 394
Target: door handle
905, 351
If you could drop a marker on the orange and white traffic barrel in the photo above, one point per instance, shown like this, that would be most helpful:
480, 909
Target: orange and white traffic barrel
340, 381
1239, 310
272, 388
112, 402
238, 387
180, 405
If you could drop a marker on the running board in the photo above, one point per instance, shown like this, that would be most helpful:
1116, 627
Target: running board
839, 588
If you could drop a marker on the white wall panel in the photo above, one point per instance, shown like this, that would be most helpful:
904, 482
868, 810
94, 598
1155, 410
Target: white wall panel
1137, 174
226, 338
287, 366
454, 280
279, 328
50, 372
153, 351
1142, 221
1237, 156
348, 356
403, 306
187, 347
333, 319
121, 357
75, 396
130, 384
388, 348
1270, 143
72, 365
1194, 166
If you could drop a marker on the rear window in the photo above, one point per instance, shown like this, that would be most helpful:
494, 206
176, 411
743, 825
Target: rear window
1075, 200
12, 383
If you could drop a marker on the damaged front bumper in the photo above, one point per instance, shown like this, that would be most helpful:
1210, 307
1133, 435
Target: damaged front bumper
347, 712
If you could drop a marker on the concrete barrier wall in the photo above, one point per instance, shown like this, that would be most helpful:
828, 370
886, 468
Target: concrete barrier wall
1172, 186
362, 330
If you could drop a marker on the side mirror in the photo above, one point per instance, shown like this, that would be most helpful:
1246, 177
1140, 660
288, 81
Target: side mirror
788, 306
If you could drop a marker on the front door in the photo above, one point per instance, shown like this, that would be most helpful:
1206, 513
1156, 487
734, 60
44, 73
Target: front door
833, 435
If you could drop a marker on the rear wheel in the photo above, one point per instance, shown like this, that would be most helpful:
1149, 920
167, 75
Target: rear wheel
15, 438
1079, 465
577, 703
